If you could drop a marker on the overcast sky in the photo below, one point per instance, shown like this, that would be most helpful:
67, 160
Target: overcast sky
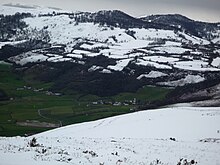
203, 10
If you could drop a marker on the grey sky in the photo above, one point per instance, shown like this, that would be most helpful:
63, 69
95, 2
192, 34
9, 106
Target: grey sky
204, 10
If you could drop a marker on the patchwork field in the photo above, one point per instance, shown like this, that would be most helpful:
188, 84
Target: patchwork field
32, 108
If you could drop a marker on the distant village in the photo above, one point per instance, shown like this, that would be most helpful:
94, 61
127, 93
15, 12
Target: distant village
99, 102
116, 103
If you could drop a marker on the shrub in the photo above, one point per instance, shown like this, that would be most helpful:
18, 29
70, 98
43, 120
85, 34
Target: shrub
33, 142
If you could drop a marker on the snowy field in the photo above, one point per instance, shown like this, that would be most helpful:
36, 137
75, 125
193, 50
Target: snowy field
162, 136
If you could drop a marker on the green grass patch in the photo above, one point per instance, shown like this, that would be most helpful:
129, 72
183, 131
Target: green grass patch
14, 130
69, 109
144, 94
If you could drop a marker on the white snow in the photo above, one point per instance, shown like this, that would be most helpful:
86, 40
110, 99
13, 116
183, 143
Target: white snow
217, 51
55, 57
161, 59
64, 30
217, 36
216, 62
74, 55
189, 79
171, 43
95, 45
28, 57
93, 54
81, 52
10, 43
195, 65
193, 39
136, 138
94, 68
105, 71
62, 60
161, 123
152, 74
153, 64
121, 64
171, 49
5, 63
153, 34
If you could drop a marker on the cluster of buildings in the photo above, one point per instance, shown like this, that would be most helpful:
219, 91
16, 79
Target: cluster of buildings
49, 93
116, 103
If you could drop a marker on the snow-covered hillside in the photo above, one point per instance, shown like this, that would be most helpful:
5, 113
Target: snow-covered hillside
162, 136
10, 9
113, 42
116, 43
137, 48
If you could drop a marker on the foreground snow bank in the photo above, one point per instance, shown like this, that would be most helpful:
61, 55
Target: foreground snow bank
188, 123
164, 135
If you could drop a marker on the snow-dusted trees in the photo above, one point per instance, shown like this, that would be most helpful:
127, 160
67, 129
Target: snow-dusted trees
10, 24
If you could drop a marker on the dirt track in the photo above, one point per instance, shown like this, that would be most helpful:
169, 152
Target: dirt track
38, 124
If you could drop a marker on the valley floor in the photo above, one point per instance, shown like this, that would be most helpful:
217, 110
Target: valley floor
162, 136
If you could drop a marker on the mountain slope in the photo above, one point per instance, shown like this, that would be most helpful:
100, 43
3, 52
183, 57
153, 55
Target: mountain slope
197, 28
161, 136
145, 52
